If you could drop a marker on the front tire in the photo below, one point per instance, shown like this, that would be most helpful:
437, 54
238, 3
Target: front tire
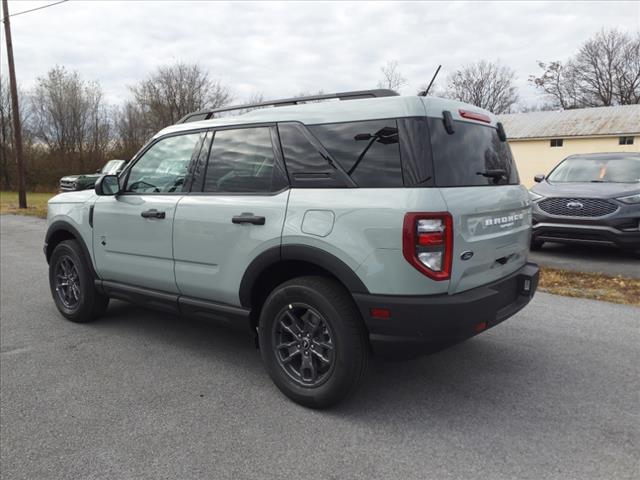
72, 284
312, 341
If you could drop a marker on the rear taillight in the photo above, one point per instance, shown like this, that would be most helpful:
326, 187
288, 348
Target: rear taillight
427, 243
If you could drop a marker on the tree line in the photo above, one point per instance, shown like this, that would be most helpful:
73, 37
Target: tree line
605, 71
69, 127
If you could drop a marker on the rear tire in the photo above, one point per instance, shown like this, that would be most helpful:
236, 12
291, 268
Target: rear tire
72, 284
312, 341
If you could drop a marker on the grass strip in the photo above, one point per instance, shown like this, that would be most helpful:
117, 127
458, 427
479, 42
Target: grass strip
595, 286
36, 204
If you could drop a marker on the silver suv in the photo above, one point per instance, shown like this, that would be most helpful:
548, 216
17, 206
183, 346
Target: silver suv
332, 230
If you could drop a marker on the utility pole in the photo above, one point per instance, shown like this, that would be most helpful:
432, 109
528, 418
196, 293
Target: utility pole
17, 129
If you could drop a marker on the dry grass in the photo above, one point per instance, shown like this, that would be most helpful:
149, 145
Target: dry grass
36, 204
595, 286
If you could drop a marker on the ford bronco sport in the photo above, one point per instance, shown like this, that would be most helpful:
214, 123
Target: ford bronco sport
331, 230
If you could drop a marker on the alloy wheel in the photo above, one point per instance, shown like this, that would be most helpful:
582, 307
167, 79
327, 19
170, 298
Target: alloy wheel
67, 282
303, 343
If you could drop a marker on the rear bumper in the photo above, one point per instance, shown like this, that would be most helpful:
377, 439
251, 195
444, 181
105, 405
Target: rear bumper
585, 234
425, 324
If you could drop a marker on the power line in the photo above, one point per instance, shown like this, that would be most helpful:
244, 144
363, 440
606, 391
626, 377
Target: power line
37, 8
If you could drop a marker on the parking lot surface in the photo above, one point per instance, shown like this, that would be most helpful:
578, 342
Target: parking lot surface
550, 394
583, 258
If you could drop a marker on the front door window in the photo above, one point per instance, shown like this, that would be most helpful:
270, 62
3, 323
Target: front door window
163, 167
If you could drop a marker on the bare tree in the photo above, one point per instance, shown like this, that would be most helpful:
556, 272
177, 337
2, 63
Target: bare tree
537, 107
5, 133
130, 130
309, 93
485, 84
627, 78
391, 76
605, 71
70, 118
255, 97
559, 84
176, 90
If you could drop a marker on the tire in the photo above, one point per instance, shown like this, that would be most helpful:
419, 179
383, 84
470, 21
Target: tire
325, 310
72, 284
536, 245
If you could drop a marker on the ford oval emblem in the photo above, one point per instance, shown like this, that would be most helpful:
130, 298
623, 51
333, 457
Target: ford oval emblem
466, 255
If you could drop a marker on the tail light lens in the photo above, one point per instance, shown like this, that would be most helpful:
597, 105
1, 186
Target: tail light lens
480, 117
427, 243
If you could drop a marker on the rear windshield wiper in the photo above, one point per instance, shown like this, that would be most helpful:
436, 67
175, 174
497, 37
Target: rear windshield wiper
495, 173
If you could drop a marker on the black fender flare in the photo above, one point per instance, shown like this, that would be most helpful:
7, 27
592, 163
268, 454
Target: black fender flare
61, 225
304, 253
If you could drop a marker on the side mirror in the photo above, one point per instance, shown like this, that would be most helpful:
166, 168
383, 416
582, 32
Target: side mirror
107, 185
538, 178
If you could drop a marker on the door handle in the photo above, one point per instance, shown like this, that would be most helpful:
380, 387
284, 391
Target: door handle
153, 213
248, 218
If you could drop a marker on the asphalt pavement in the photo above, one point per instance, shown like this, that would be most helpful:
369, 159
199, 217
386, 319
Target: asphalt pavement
588, 258
552, 393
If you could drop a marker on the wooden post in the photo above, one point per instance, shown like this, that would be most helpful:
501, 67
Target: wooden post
17, 129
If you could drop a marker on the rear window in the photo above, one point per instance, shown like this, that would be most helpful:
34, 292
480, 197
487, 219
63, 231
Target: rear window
471, 156
368, 151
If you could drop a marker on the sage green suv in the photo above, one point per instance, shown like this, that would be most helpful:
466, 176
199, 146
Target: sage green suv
330, 230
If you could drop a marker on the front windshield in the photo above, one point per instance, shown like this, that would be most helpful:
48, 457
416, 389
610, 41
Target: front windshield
622, 169
112, 167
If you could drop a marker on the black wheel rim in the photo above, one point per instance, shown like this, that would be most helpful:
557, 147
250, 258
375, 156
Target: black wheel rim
303, 343
67, 282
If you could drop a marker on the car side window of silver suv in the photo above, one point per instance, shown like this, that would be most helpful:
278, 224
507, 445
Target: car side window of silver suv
243, 160
309, 165
163, 168
368, 151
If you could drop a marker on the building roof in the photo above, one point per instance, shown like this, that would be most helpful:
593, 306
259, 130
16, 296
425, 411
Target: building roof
341, 111
598, 121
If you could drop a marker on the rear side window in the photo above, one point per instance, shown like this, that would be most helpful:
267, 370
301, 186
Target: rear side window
368, 151
308, 164
470, 156
242, 160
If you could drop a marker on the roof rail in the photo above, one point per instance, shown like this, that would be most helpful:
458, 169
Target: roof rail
207, 114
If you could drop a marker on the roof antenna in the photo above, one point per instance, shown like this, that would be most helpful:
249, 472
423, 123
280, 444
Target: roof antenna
424, 94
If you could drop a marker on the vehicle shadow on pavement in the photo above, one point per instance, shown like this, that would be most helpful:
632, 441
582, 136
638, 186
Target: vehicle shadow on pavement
198, 337
454, 384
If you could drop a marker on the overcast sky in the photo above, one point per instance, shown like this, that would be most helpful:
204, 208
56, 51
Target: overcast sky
283, 48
